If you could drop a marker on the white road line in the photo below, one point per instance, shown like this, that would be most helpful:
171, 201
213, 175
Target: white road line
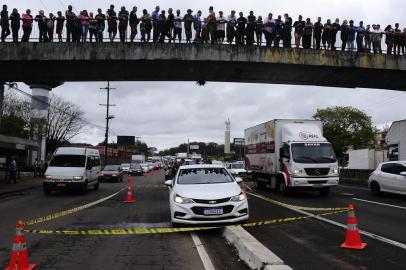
353, 187
208, 265
385, 204
368, 234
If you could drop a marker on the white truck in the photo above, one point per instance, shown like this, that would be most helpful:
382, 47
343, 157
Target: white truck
291, 154
138, 159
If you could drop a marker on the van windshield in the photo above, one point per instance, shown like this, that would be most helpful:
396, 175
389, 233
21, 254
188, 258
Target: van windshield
313, 153
68, 161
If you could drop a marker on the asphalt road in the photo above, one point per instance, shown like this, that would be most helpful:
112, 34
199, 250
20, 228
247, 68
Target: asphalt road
314, 244
151, 209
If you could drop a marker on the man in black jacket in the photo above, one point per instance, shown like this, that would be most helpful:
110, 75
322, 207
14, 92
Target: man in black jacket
4, 23
15, 19
287, 31
317, 29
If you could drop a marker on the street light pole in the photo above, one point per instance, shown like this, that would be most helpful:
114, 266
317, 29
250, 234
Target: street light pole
108, 117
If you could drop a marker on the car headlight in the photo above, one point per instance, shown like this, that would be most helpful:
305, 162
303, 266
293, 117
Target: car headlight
114, 175
77, 177
48, 177
334, 171
299, 172
179, 199
238, 198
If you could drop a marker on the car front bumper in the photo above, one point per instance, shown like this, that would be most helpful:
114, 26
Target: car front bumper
193, 213
74, 185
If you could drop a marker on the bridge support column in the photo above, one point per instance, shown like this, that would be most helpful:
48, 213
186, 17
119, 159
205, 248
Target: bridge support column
39, 114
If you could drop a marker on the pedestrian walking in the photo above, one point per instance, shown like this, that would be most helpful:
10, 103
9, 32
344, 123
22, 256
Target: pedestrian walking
50, 21
231, 26
188, 21
36, 168
101, 24
4, 23
111, 23
123, 17
92, 28
221, 27
42, 26
15, 19
299, 28
41, 168
27, 25
177, 30
269, 29
134, 21
155, 23
70, 23
287, 31
317, 30
335, 28
327, 35
60, 20
360, 36
241, 24
12, 172
146, 26
259, 29
345, 30
307, 34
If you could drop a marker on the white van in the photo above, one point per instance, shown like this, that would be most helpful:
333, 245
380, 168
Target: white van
72, 168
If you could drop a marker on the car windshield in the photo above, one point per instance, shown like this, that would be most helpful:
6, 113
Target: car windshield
313, 153
111, 168
68, 161
237, 166
204, 176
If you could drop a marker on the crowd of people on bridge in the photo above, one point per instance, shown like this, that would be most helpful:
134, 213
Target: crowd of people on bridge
161, 26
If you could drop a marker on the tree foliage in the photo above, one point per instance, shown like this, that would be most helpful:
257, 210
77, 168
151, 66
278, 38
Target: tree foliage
346, 128
16, 116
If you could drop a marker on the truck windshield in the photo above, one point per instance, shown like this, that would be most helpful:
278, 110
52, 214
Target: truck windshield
313, 153
67, 161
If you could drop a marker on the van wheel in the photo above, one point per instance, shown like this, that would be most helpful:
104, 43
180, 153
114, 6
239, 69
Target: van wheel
375, 189
83, 191
324, 191
96, 187
282, 188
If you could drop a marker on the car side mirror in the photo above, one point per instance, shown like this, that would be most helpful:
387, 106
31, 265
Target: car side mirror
403, 173
169, 183
238, 179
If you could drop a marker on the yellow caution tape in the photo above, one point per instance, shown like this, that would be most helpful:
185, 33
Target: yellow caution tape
69, 211
305, 208
174, 230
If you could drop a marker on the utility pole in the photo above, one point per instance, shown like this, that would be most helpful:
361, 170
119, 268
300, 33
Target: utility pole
108, 117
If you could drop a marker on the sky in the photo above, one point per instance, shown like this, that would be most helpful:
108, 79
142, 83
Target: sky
166, 114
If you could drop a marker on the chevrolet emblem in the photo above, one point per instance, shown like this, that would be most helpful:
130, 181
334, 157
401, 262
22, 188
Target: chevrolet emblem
212, 202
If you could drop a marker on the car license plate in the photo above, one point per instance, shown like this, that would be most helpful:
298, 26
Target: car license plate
61, 185
318, 185
213, 211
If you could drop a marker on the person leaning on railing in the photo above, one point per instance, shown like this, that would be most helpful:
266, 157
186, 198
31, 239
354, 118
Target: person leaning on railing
15, 19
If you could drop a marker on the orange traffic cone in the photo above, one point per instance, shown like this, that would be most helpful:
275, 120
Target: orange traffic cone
352, 237
130, 198
19, 256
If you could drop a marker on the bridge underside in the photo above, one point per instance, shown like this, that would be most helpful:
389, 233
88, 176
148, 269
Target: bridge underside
168, 62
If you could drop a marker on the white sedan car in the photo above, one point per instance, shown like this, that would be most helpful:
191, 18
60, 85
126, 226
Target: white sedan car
389, 177
206, 194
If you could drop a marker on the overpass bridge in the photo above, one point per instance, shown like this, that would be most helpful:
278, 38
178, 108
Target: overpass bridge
51, 63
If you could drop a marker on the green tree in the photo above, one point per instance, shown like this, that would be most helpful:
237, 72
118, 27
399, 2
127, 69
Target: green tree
346, 128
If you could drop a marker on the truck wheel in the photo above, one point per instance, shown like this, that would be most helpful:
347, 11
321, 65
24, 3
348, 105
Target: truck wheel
324, 191
375, 189
282, 188
260, 185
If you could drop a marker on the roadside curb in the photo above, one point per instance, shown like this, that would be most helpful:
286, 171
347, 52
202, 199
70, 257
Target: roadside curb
251, 251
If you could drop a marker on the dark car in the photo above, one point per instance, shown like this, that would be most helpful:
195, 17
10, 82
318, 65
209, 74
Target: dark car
135, 169
112, 173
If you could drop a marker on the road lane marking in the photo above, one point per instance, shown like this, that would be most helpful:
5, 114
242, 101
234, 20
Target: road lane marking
347, 194
208, 265
352, 187
385, 204
344, 226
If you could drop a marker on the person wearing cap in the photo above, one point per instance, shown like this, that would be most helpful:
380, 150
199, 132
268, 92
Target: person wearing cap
188, 20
